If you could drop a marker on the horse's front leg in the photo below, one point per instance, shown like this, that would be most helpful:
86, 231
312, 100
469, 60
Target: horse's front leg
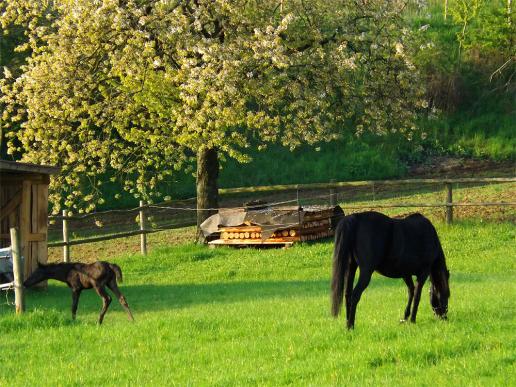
363, 281
420, 282
76, 293
410, 286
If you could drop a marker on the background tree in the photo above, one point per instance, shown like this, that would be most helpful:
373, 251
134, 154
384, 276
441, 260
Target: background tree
134, 89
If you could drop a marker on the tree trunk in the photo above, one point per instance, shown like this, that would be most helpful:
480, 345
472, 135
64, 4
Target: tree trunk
207, 188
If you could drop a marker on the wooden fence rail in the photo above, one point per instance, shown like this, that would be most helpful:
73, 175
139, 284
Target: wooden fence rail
143, 231
333, 185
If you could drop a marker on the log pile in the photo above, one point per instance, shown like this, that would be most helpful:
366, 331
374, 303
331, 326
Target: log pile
314, 224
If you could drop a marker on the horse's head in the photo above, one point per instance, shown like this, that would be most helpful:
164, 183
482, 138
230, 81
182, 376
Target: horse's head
338, 214
439, 294
40, 274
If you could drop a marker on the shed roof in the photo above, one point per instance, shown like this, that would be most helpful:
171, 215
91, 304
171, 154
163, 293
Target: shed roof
14, 166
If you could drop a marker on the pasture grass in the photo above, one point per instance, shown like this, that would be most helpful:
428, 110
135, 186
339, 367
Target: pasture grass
261, 317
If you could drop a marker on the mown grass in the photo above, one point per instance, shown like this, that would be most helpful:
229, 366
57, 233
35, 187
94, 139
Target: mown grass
261, 317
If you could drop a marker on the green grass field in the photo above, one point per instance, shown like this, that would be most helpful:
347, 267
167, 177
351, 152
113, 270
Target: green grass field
261, 317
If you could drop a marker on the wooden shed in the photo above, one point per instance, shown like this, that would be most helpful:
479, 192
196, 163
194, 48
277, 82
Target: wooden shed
24, 199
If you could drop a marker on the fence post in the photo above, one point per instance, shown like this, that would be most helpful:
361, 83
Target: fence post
17, 269
143, 235
66, 247
449, 203
333, 199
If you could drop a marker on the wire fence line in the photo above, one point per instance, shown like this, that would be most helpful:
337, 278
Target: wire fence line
68, 230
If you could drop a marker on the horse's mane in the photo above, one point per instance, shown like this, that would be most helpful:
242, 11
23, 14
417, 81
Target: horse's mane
439, 275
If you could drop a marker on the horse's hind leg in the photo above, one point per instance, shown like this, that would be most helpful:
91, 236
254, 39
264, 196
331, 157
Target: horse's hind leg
410, 286
106, 300
417, 296
363, 281
114, 288
349, 279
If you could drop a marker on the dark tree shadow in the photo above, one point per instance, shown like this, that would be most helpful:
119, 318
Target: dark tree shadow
158, 297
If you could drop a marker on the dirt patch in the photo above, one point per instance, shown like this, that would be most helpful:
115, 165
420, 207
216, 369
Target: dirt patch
98, 251
455, 167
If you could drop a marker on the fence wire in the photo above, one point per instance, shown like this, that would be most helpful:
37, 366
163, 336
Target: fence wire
471, 200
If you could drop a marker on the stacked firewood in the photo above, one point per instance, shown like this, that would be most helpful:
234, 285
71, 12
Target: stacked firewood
314, 225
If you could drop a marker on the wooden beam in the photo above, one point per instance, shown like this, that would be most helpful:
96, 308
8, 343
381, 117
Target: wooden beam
25, 224
36, 237
42, 215
143, 236
9, 178
220, 242
99, 238
449, 203
6, 166
293, 187
11, 205
17, 267
66, 246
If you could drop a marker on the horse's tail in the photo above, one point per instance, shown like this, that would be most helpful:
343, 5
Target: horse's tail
117, 270
344, 238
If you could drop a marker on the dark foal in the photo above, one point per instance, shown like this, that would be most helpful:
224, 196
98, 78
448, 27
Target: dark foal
80, 276
396, 248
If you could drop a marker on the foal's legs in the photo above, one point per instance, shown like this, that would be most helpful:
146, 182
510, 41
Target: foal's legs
106, 300
363, 281
114, 288
410, 286
76, 293
349, 278
420, 281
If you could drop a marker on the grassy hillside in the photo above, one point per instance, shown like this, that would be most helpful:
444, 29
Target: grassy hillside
240, 317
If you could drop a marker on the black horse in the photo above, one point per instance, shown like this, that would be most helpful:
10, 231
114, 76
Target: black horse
396, 248
80, 276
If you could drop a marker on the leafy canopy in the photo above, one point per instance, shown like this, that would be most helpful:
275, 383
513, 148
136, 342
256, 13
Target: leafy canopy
133, 89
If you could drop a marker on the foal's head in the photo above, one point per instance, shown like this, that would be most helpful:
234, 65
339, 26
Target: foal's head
440, 293
40, 274
44, 272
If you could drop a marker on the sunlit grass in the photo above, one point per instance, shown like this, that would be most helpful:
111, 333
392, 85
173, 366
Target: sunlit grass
239, 317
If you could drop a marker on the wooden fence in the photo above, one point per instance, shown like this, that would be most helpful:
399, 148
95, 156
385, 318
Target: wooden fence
331, 187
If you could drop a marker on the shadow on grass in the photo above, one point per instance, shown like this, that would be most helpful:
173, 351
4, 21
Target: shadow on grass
157, 297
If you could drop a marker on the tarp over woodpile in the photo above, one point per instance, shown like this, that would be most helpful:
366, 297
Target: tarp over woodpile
269, 219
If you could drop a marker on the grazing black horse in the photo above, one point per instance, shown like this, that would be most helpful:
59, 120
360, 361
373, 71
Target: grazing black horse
80, 276
396, 248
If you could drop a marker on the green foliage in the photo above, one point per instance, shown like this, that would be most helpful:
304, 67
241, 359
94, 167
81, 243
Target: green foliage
365, 158
240, 317
134, 89
467, 61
